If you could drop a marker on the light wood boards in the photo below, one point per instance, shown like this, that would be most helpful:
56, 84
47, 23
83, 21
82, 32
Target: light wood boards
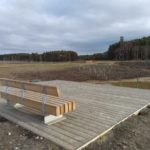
40, 97
93, 116
53, 105
49, 90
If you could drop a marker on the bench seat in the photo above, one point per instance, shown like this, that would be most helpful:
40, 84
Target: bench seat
33, 97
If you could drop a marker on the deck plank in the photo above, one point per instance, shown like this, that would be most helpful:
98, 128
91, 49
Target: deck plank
97, 110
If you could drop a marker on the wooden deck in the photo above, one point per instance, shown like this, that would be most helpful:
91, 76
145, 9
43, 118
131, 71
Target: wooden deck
99, 108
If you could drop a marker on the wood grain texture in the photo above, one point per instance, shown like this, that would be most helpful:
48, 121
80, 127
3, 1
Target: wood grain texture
49, 90
32, 103
33, 95
99, 109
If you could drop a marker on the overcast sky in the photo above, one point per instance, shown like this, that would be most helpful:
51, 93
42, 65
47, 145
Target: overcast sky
87, 26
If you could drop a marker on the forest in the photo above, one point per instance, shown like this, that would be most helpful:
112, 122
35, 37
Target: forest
56, 56
138, 49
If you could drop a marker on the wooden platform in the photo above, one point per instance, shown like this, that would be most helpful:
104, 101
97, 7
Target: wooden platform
99, 108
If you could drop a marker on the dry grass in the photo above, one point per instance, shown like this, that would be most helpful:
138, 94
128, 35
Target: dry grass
88, 72
141, 85
75, 71
7, 70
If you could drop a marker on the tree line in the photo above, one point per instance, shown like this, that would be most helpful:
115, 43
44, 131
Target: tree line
96, 56
122, 50
53, 56
130, 50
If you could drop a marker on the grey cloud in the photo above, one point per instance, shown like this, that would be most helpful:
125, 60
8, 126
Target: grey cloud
84, 25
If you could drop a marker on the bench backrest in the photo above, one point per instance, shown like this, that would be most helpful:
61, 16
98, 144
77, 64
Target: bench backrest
48, 90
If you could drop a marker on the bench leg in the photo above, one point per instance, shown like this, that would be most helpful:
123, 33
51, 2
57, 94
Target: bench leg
15, 105
50, 119
47, 119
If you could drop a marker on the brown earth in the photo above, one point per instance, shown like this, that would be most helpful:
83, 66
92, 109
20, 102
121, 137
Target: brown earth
14, 137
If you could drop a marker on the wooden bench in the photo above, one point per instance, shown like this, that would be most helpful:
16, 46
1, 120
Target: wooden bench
45, 99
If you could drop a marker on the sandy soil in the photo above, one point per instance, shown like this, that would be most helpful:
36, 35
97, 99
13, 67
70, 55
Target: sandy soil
133, 134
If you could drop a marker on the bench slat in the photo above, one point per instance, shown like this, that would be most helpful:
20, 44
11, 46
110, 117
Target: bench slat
49, 90
51, 109
31, 94
49, 99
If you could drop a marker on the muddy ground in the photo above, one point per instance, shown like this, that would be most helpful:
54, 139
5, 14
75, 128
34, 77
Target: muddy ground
133, 134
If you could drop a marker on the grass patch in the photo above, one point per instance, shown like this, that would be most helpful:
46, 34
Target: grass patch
74, 71
132, 84
7, 70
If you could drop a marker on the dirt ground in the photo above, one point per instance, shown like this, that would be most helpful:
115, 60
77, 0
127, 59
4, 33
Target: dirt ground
133, 134
14, 137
